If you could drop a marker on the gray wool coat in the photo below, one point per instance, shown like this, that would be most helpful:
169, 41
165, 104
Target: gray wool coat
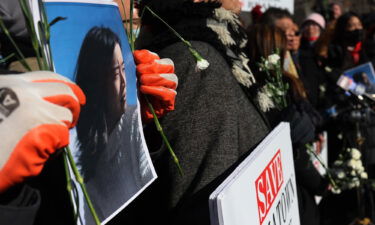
213, 125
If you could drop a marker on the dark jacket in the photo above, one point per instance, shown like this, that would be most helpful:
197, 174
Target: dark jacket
311, 74
39, 201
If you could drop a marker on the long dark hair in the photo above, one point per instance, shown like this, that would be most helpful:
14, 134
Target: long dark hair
340, 27
263, 41
94, 65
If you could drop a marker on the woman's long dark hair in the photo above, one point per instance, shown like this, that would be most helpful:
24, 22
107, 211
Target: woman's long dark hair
263, 41
340, 27
94, 65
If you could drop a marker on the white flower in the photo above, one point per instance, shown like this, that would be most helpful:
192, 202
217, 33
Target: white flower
202, 64
351, 185
357, 183
355, 153
360, 169
336, 190
339, 136
273, 59
352, 163
340, 174
328, 69
364, 175
352, 173
267, 65
322, 88
358, 164
338, 163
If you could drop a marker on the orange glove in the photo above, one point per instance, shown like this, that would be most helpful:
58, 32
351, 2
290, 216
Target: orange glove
157, 79
36, 111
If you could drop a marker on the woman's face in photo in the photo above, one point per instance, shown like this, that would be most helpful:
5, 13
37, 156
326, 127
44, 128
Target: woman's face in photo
117, 85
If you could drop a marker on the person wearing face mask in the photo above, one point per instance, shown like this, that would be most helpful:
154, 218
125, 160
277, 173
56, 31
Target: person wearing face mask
345, 50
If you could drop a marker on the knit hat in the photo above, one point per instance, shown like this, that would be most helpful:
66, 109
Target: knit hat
316, 18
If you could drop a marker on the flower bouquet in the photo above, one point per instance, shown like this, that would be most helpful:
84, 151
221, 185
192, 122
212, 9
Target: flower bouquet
275, 87
348, 171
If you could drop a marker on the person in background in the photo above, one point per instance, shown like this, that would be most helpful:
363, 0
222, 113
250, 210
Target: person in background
311, 73
312, 27
334, 11
282, 19
345, 49
263, 40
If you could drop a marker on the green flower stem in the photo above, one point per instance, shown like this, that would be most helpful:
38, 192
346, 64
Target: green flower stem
156, 120
69, 184
82, 184
19, 52
132, 38
281, 84
309, 149
127, 32
194, 52
160, 129
30, 26
7, 58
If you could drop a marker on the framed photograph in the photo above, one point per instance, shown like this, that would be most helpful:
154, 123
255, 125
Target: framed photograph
362, 79
89, 45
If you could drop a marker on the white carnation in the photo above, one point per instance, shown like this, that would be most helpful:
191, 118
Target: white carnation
364, 175
340, 174
336, 190
273, 59
357, 164
351, 185
338, 163
202, 64
360, 169
355, 153
352, 163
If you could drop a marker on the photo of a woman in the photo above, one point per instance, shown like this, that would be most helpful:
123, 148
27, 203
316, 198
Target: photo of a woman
108, 137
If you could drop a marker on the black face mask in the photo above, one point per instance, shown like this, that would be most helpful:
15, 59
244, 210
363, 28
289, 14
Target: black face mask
353, 37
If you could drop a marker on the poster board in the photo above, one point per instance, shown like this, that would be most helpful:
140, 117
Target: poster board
108, 143
262, 189
248, 5
366, 68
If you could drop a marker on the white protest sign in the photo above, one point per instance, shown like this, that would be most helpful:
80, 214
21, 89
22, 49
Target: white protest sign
248, 5
262, 189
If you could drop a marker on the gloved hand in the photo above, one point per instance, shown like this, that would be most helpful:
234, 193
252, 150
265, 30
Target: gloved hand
36, 111
158, 81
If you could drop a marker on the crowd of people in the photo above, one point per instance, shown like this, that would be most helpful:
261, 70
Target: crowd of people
223, 111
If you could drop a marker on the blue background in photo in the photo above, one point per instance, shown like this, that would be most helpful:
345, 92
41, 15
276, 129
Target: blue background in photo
366, 68
67, 36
